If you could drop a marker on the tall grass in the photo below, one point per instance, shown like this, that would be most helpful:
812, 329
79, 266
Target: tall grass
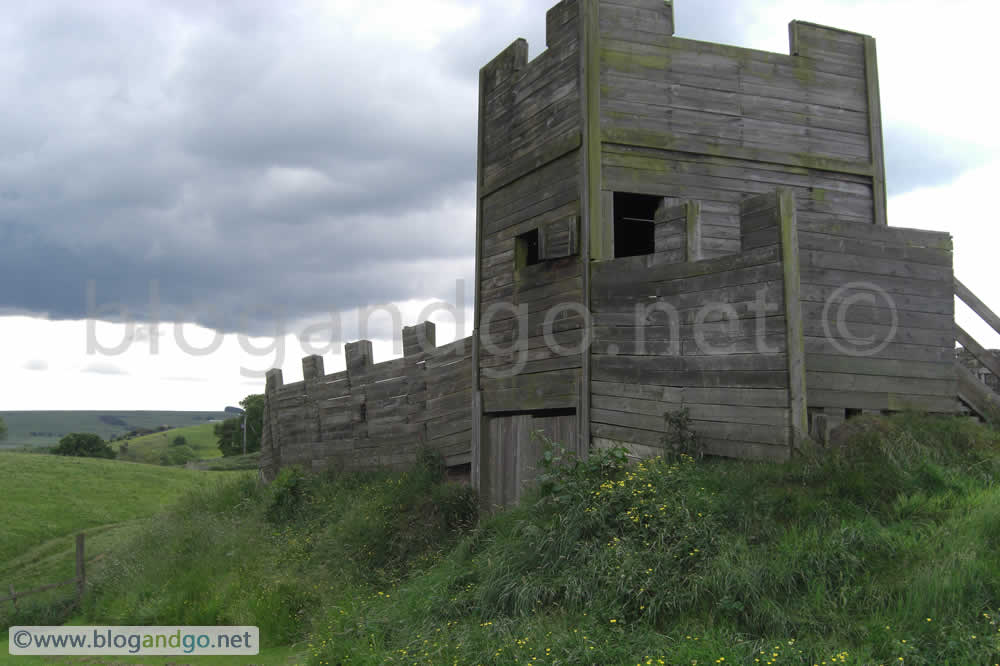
882, 551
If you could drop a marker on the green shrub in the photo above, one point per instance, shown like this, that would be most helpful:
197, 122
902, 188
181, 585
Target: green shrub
86, 445
288, 494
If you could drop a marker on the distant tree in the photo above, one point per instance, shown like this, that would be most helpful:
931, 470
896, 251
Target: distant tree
230, 433
83, 444
254, 406
179, 440
230, 436
3, 430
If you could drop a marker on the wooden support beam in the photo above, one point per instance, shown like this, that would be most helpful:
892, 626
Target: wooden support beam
81, 567
980, 308
694, 249
983, 355
977, 395
477, 439
875, 132
595, 228
799, 418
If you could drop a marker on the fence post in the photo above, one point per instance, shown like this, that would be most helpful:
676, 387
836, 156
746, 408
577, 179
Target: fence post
81, 569
13, 596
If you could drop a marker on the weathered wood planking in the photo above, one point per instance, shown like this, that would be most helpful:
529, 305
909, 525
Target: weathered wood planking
532, 118
878, 317
680, 71
374, 414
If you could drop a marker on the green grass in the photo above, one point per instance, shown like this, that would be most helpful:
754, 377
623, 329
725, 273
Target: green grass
46, 428
887, 551
157, 448
279, 656
250, 461
48, 499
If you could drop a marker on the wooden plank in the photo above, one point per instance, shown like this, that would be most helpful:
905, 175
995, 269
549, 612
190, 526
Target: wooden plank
476, 415
875, 130
597, 233
902, 351
882, 400
874, 249
745, 450
879, 367
883, 314
870, 336
719, 396
843, 381
700, 145
560, 22
977, 395
889, 283
545, 153
698, 412
734, 431
983, 355
966, 296
891, 235
885, 266
795, 351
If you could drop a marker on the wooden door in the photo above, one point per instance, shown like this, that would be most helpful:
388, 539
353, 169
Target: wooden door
512, 450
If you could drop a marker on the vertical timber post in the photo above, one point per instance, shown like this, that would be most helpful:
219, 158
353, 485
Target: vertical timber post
693, 211
81, 567
875, 133
595, 235
272, 382
312, 367
799, 418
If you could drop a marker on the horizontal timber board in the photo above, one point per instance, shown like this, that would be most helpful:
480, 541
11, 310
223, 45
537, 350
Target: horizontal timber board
880, 400
699, 412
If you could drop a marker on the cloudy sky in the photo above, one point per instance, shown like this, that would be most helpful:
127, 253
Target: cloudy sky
235, 166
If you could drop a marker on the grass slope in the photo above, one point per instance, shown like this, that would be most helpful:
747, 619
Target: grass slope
48, 499
887, 551
46, 428
201, 442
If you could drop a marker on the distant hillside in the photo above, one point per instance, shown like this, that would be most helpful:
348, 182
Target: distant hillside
46, 428
158, 448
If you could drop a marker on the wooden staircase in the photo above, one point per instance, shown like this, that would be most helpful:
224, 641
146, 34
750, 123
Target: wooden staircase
976, 395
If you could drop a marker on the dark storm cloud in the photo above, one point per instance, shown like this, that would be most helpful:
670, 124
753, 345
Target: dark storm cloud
245, 161
235, 162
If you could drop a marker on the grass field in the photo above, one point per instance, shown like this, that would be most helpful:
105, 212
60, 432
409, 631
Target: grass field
48, 499
46, 428
201, 444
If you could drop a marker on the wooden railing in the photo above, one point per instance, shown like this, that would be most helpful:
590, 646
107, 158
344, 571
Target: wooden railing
80, 579
981, 398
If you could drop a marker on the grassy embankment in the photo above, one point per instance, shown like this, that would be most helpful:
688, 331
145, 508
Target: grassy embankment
887, 551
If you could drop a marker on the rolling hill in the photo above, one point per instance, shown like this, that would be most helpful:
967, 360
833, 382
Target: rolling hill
46, 428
